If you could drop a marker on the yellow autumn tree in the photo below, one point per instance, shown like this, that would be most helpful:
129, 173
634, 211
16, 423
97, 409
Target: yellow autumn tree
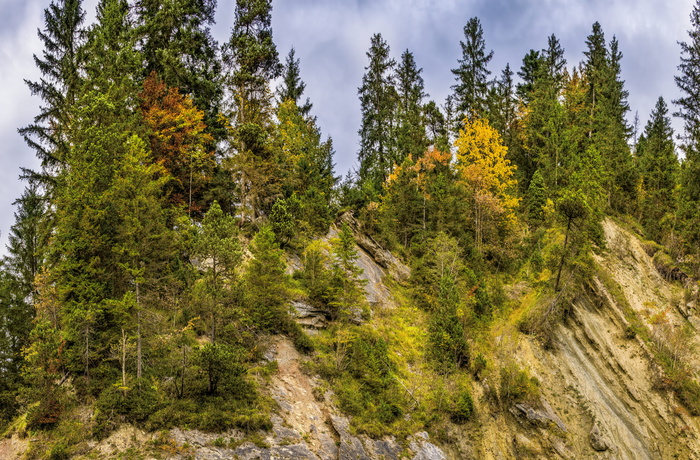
487, 174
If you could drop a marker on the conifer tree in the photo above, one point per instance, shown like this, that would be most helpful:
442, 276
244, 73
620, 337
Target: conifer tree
267, 287
377, 104
608, 130
436, 126
60, 66
528, 73
307, 164
293, 86
216, 246
688, 81
252, 58
27, 239
82, 261
502, 106
472, 74
658, 169
410, 130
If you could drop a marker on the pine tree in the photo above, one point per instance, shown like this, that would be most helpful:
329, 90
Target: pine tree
217, 248
60, 66
528, 73
293, 86
377, 104
472, 74
658, 169
267, 287
410, 130
252, 58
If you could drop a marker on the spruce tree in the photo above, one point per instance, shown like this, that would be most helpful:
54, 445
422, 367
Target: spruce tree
688, 81
253, 62
472, 74
293, 86
410, 130
60, 66
528, 73
658, 169
377, 104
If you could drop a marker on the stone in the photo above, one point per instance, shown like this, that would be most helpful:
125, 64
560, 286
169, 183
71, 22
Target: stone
598, 442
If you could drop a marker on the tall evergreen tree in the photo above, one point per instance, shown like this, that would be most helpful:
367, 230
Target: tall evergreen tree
528, 73
410, 125
472, 74
293, 86
27, 239
252, 58
688, 81
502, 106
377, 104
83, 265
658, 169
608, 130
436, 126
688, 106
60, 66
554, 62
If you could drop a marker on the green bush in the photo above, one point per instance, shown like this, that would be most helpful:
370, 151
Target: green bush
688, 392
117, 404
462, 407
516, 385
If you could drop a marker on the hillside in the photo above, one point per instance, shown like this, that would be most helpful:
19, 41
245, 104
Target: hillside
601, 391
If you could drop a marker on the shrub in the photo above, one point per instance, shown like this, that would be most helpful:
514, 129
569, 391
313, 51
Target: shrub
462, 408
516, 385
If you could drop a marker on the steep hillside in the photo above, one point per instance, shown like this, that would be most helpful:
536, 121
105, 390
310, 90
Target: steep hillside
602, 390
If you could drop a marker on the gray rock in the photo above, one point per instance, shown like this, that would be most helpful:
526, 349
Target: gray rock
427, 451
381, 256
309, 316
539, 417
249, 451
351, 447
598, 442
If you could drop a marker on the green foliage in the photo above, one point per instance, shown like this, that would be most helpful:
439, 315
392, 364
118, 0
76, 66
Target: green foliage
345, 296
516, 385
462, 407
471, 75
267, 286
356, 361
377, 102
447, 343
117, 404
224, 370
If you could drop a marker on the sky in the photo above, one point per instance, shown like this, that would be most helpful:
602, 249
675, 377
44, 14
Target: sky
331, 38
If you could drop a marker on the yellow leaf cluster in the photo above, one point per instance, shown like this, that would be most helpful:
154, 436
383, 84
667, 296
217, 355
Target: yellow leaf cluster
483, 166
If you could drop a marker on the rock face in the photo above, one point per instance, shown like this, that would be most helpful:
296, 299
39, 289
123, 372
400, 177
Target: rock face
381, 256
